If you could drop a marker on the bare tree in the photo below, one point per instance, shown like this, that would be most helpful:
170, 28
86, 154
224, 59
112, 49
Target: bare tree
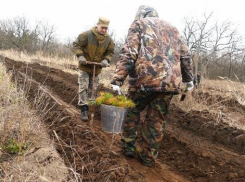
197, 35
8, 34
17, 34
47, 35
211, 44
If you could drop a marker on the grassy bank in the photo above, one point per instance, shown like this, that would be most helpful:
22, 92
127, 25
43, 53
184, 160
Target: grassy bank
24, 144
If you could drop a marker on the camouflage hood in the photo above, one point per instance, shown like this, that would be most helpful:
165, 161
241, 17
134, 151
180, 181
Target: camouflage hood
145, 11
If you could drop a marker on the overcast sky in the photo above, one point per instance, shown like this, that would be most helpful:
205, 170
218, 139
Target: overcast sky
74, 16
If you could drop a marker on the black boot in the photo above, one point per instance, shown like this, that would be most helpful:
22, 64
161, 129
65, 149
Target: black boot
84, 113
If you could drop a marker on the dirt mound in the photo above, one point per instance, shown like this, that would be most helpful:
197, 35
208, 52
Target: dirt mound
195, 148
225, 106
203, 124
216, 99
45, 63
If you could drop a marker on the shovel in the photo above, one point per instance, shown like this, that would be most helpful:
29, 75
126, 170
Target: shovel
92, 99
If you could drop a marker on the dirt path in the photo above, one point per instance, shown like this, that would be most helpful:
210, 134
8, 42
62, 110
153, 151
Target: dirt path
195, 148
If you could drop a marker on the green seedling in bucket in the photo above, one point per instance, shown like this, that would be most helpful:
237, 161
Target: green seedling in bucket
113, 111
118, 101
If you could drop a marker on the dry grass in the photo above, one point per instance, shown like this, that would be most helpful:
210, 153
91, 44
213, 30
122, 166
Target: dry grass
224, 100
53, 62
14, 111
227, 87
106, 78
106, 75
223, 88
22, 125
59, 63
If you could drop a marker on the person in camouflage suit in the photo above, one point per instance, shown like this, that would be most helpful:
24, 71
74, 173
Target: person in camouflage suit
156, 61
94, 45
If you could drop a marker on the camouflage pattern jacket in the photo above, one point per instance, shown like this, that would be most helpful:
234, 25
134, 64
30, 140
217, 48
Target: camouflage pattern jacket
94, 47
154, 56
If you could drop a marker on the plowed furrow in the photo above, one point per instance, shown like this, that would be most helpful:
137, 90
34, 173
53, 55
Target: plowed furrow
193, 149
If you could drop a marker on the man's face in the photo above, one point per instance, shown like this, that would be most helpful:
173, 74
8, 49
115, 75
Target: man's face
102, 30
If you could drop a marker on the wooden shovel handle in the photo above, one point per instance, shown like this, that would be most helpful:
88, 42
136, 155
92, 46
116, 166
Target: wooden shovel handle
95, 63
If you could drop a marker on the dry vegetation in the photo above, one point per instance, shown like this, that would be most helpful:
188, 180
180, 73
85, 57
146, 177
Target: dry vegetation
226, 86
64, 64
216, 98
25, 148
223, 87
224, 100
26, 151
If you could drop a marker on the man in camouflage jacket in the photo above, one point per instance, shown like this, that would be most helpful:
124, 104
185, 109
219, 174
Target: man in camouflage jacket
94, 45
156, 60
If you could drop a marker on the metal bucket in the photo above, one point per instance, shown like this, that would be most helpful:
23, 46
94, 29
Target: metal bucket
112, 118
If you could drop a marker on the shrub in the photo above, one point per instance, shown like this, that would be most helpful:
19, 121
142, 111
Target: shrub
15, 147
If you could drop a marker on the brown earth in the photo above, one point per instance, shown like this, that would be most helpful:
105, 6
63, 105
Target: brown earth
195, 147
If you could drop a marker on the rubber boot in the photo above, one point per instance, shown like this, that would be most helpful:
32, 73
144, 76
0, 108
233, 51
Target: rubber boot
84, 113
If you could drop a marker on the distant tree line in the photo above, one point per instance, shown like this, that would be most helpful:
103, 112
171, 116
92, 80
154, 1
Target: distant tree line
218, 50
18, 34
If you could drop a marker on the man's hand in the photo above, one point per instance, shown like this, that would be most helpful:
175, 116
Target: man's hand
116, 88
188, 85
82, 60
115, 85
104, 63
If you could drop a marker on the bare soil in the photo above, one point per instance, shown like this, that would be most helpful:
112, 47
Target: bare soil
194, 148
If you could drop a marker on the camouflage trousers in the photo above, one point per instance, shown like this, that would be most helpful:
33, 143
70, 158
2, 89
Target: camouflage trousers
152, 127
85, 81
